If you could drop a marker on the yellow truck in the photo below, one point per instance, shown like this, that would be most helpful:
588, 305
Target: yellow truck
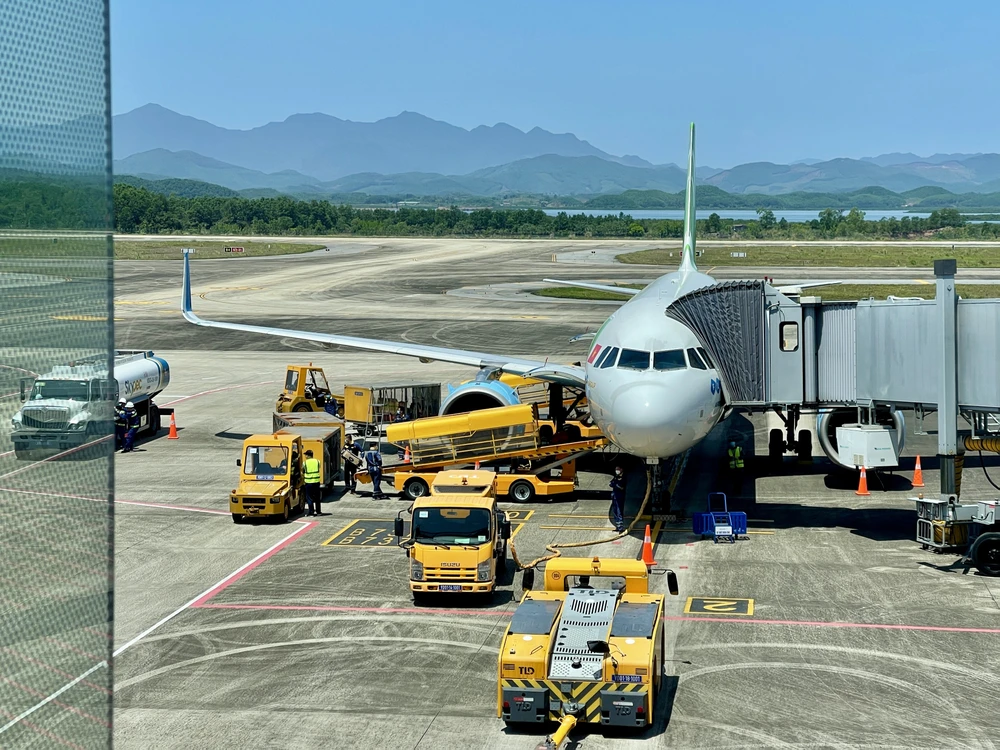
457, 537
271, 473
588, 648
306, 389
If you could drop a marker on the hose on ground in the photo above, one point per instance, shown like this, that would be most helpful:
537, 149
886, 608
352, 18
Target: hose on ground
555, 549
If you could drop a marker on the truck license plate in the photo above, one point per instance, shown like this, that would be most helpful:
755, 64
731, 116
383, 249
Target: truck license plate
449, 587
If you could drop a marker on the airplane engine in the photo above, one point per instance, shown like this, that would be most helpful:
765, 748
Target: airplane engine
828, 420
478, 394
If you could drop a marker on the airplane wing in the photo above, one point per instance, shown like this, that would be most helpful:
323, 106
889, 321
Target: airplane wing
627, 291
542, 370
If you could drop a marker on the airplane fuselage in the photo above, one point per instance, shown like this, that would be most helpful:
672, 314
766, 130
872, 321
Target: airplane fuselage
651, 388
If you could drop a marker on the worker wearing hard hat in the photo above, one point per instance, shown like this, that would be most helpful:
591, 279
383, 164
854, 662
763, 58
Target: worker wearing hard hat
310, 478
131, 426
120, 424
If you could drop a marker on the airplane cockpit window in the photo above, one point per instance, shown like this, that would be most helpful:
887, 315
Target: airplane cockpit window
707, 359
696, 361
633, 359
609, 357
672, 359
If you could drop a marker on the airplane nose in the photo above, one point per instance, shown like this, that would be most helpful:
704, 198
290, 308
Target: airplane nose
646, 421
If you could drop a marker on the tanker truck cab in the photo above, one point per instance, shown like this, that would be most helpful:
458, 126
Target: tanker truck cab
457, 541
270, 478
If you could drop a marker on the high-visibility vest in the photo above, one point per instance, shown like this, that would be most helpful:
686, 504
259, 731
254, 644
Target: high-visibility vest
736, 458
311, 473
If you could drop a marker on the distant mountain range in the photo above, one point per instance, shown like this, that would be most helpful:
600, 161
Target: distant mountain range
318, 155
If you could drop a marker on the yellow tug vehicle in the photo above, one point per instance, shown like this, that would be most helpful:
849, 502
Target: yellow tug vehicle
576, 653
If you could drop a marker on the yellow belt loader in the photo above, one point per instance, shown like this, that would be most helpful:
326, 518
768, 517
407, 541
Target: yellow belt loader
580, 654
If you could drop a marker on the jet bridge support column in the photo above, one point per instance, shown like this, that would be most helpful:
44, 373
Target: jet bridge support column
944, 272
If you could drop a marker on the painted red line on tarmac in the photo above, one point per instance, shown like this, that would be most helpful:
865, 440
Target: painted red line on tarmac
43, 732
119, 502
818, 624
219, 390
57, 455
508, 613
66, 706
63, 644
223, 585
6, 453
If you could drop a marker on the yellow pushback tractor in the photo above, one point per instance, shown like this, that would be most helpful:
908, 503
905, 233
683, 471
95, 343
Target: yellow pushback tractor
577, 652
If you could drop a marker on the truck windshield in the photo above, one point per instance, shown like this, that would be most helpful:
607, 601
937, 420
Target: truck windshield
451, 525
266, 460
318, 380
73, 390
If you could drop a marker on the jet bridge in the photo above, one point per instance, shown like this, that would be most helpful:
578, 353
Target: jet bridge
773, 352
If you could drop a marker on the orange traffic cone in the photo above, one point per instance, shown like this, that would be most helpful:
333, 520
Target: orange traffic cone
918, 475
647, 549
173, 428
863, 484
406, 455
477, 466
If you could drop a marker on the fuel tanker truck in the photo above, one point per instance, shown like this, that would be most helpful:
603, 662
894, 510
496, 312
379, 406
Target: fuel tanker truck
74, 404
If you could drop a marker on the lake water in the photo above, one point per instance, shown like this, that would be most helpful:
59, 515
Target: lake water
794, 216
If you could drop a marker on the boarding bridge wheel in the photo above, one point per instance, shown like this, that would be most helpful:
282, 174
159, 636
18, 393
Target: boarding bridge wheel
776, 447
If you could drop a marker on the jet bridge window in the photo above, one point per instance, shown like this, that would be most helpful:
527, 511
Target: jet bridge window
789, 336
696, 361
608, 358
672, 359
633, 359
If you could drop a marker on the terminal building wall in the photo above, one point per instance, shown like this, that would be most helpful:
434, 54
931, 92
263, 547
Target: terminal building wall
56, 519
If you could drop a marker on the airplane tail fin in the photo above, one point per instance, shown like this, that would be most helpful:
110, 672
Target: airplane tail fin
687, 258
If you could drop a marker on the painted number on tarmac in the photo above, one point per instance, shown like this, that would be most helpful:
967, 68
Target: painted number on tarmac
717, 605
364, 533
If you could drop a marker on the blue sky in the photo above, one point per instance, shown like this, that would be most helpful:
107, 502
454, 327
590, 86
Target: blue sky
767, 81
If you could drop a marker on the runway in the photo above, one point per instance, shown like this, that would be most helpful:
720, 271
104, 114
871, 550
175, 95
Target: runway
283, 636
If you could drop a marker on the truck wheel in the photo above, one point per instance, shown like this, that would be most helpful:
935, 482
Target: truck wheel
302, 407
20, 455
988, 557
521, 491
154, 418
237, 518
286, 511
415, 488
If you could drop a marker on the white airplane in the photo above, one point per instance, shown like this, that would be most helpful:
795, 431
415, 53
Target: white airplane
651, 387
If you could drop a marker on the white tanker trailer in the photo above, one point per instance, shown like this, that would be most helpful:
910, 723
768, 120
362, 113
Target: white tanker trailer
74, 404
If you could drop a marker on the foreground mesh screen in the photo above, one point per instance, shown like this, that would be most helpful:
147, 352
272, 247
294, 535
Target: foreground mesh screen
55, 300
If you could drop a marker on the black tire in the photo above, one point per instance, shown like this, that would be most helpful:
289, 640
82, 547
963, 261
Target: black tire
804, 449
420, 597
988, 557
302, 407
20, 455
237, 518
286, 512
776, 446
415, 488
521, 491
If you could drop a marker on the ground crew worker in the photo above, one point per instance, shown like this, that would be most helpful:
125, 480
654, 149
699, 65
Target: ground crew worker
373, 460
131, 427
352, 460
120, 424
617, 485
735, 454
310, 479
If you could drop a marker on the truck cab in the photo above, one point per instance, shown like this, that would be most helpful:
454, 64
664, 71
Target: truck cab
306, 389
457, 540
270, 481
